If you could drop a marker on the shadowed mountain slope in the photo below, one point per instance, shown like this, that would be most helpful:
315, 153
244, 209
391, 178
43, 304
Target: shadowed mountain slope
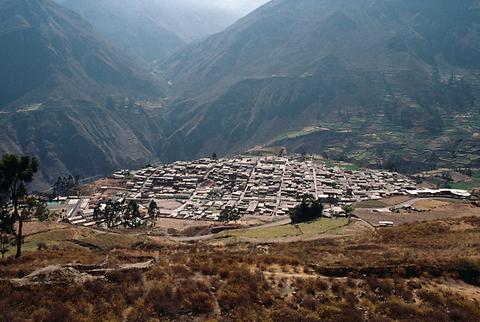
151, 30
66, 95
400, 80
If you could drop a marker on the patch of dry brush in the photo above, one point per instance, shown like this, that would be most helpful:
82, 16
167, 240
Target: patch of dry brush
409, 273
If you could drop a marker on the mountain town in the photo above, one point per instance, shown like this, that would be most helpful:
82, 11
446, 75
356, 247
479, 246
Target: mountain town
239, 160
255, 186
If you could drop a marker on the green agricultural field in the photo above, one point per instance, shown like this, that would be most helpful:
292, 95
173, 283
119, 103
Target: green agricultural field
353, 167
474, 184
311, 229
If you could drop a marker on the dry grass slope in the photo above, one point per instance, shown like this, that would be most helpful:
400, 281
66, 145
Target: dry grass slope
416, 272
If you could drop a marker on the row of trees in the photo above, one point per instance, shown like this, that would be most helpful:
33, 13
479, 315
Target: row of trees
65, 185
16, 205
126, 214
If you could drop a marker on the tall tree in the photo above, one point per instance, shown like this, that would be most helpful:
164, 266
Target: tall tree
112, 213
66, 185
98, 213
15, 173
229, 214
349, 209
153, 212
309, 209
6, 230
131, 215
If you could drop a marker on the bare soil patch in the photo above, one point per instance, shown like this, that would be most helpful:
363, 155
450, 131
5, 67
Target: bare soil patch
429, 204
168, 204
35, 227
91, 188
443, 212
180, 224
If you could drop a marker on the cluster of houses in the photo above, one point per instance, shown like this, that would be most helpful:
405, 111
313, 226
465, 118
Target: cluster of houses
256, 186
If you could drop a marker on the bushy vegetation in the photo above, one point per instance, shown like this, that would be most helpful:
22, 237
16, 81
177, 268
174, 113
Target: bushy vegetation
124, 213
309, 209
229, 214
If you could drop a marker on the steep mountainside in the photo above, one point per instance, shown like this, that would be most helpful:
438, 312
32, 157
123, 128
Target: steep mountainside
132, 26
64, 93
151, 30
371, 81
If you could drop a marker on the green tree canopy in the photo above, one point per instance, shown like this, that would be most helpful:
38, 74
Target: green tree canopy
153, 212
131, 215
229, 214
16, 172
309, 209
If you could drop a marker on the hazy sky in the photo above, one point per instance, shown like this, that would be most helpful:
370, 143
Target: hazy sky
234, 4
241, 6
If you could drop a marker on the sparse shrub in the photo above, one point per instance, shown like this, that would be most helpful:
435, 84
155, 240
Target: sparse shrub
468, 271
350, 314
224, 272
42, 246
244, 288
132, 294
132, 276
402, 290
351, 283
329, 312
209, 269
351, 298
285, 314
60, 313
310, 303
156, 272
432, 298
202, 302
321, 285
163, 300
139, 313
338, 288
386, 287
373, 283
181, 271
460, 309
398, 310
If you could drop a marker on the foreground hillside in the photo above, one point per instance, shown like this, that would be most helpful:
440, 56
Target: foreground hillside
420, 271
377, 82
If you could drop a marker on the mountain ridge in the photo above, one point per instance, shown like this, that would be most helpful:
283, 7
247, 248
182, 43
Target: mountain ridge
417, 61
69, 97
